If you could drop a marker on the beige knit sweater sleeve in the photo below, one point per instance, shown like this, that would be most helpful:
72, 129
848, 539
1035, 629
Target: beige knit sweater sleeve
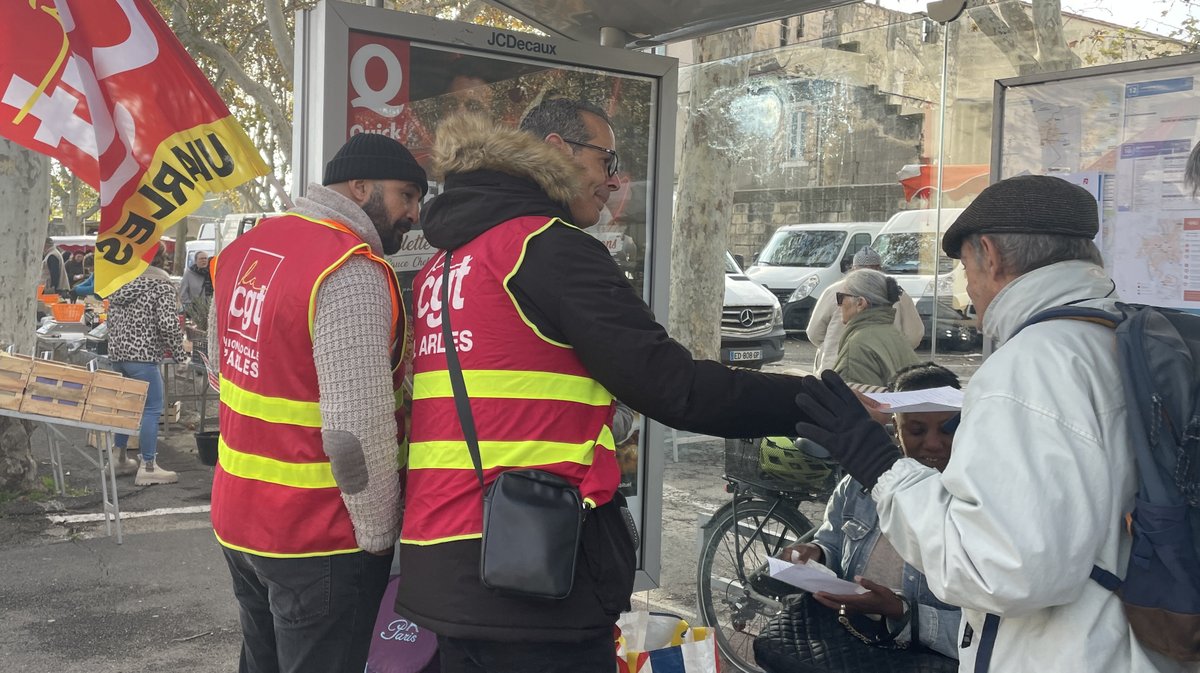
351, 334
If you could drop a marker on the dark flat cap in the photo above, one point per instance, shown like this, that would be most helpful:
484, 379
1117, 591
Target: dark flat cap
1026, 204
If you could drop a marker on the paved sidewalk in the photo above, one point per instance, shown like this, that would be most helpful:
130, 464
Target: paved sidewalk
73, 600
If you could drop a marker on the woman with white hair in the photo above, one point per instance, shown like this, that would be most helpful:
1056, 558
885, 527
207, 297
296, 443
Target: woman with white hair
872, 349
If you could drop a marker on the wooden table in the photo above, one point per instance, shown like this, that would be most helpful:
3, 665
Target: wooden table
103, 460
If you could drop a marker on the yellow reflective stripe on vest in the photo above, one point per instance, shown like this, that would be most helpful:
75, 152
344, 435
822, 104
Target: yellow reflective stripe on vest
454, 455
270, 409
272, 471
310, 554
507, 384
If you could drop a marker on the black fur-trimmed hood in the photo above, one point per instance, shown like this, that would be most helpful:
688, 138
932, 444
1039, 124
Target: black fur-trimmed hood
492, 174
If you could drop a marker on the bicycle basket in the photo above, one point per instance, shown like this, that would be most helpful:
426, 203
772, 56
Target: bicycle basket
775, 462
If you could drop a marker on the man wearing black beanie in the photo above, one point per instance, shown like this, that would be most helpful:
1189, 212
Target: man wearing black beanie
306, 495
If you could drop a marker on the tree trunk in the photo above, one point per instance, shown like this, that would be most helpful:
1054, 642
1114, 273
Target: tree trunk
18, 470
24, 217
704, 205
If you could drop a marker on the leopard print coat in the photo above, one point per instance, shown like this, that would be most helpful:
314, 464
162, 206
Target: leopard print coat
143, 319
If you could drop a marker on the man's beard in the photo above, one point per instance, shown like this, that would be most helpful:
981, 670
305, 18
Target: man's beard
391, 233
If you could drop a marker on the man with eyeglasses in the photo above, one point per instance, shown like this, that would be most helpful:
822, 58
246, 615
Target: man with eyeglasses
548, 331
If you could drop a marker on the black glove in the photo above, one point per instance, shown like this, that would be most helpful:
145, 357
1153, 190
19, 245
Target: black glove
839, 422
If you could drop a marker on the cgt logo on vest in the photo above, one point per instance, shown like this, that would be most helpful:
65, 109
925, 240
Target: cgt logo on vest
253, 280
429, 306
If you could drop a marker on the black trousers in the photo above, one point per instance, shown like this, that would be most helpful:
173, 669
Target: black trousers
461, 655
307, 615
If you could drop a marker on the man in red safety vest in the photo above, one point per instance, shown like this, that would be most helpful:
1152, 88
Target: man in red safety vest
548, 331
308, 331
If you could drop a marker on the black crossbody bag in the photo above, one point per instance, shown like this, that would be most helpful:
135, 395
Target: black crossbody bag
532, 519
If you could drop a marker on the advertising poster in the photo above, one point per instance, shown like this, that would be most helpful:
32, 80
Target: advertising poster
403, 89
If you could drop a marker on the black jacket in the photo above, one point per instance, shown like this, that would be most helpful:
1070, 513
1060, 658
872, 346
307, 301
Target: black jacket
570, 288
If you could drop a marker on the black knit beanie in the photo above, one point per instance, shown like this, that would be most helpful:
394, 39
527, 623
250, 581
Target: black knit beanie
373, 156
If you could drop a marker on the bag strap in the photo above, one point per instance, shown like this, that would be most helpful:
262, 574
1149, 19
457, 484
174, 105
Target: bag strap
461, 402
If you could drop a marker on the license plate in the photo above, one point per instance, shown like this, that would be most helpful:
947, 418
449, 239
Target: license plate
744, 356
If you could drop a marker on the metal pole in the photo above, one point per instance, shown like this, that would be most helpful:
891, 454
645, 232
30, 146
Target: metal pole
937, 247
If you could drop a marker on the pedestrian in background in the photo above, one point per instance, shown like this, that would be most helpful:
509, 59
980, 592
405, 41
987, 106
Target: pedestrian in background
825, 326
872, 350
143, 327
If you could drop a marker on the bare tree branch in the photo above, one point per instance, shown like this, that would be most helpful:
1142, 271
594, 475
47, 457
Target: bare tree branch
277, 25
1053, 51
1018, 21
1002, 35
262, 95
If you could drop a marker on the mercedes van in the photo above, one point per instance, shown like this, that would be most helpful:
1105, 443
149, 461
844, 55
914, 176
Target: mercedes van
908, 244
751, 321
801, 260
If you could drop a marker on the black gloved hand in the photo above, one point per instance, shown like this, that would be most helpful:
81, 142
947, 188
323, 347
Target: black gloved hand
839, 422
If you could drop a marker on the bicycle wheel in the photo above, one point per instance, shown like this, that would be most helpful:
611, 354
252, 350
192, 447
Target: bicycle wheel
736, 596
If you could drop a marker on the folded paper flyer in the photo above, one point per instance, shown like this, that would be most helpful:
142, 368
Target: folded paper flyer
811, 577
930, 399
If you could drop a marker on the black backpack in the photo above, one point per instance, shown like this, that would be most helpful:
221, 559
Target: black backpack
1159, 359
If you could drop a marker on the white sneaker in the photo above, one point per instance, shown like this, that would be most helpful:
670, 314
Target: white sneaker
150, 473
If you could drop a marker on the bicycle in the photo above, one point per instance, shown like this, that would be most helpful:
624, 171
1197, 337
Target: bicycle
768, 479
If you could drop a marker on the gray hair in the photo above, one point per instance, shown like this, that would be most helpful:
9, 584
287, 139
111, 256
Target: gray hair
872, 285
1022, 253
563, 116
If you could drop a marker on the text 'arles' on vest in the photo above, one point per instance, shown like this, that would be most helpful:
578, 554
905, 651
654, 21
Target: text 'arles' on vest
429, 309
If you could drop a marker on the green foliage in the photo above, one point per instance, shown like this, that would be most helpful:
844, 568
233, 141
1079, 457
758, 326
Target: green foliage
42, 491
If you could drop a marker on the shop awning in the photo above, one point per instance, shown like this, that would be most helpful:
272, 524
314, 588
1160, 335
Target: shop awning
650, 22
958, 181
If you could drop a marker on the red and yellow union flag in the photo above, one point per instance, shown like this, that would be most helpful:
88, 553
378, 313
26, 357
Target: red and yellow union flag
104, 87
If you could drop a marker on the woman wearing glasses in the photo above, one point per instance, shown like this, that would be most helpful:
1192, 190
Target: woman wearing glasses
872, 349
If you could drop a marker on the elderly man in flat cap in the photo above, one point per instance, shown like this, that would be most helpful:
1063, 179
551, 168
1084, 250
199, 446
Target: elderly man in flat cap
825, 325
1042, 470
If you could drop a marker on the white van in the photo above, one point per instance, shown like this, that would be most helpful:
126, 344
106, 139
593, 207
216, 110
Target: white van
751, 321
908, 244
801, 260
213, 236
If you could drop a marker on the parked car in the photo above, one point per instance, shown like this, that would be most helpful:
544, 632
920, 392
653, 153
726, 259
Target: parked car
955, 331
751, 321
801, 260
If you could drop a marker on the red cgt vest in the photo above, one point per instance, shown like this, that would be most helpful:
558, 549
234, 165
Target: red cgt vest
273, 492
534, 403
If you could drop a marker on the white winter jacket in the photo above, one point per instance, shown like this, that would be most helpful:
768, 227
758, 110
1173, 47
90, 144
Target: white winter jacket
825, 326
1039, 481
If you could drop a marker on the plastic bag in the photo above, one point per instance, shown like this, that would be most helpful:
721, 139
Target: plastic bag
654, 642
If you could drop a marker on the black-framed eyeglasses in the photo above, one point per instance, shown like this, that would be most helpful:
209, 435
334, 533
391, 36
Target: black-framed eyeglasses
612, 163
842, 296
